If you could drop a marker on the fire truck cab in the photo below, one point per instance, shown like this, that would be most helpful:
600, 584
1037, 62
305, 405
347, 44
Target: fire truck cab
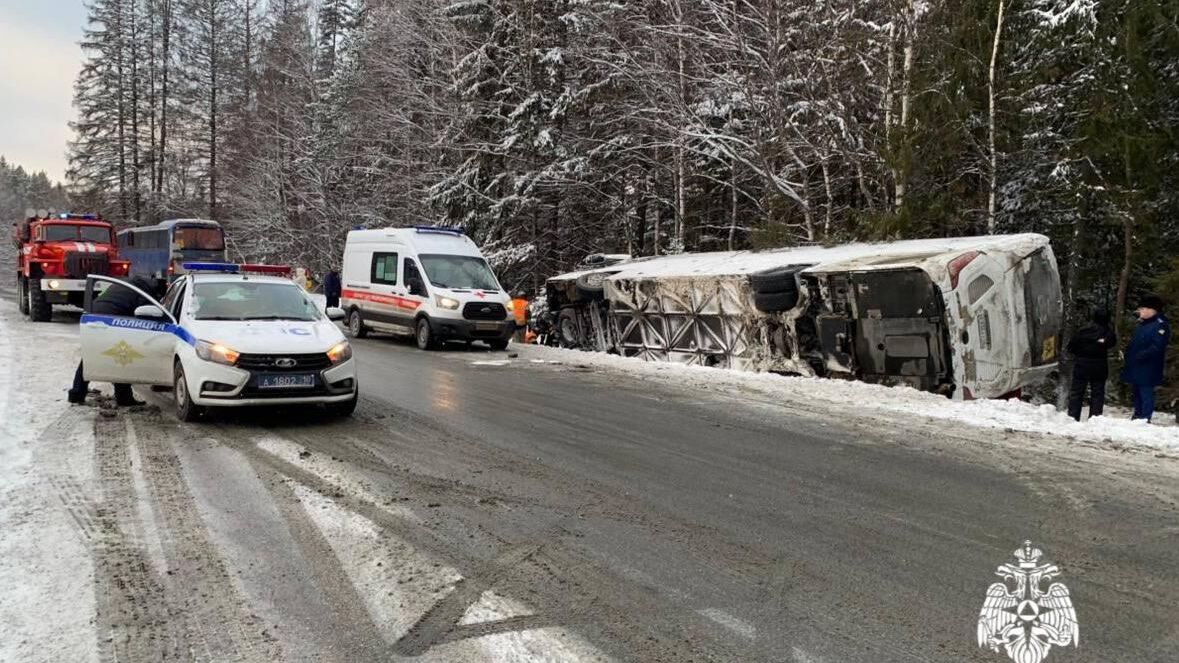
56, 254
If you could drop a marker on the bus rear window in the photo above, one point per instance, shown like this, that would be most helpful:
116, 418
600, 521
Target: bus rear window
201, 239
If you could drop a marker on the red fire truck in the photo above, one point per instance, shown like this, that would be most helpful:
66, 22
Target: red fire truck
57, 253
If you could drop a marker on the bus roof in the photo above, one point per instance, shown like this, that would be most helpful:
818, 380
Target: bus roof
174, 222
923, 253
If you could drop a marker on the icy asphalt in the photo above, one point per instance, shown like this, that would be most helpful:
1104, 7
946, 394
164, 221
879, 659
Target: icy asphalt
487, 507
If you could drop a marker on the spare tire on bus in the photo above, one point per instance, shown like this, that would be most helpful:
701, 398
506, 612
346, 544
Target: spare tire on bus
778, 279
775, 302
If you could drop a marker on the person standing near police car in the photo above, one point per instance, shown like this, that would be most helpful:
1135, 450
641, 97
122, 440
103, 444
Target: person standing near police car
331, 288
1146, 355
1090, 348
119, 301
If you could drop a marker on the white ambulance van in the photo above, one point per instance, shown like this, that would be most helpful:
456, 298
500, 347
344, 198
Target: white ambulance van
427, 282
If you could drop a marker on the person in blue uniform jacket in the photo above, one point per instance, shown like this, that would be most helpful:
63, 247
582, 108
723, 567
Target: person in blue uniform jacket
1146, 355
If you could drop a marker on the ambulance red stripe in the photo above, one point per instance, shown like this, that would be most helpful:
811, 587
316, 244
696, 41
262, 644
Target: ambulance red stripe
390, 300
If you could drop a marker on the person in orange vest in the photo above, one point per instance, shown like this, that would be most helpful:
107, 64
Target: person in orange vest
520, 312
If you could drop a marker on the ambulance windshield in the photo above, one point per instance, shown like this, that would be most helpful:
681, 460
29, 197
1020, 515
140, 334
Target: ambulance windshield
246, 300
459, 272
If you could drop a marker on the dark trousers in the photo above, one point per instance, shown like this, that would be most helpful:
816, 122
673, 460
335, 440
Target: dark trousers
1143, 396
1076, 394
333, 301
78, 392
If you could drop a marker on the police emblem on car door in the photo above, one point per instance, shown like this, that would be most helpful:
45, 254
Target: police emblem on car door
125, 348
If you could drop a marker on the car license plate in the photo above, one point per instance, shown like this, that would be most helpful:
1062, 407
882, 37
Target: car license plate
296, 381
486, 326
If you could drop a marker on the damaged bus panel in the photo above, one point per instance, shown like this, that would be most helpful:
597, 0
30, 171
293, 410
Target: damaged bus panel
972, 317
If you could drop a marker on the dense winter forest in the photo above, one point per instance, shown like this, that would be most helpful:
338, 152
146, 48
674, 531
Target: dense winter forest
550, 129
21, 191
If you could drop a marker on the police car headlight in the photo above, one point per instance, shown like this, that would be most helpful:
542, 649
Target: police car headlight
216, 353
340, 352
446, 302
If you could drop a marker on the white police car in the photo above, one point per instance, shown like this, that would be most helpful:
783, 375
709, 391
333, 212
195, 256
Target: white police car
225, 336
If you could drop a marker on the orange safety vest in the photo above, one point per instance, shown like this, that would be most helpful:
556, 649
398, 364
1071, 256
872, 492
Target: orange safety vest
520, 310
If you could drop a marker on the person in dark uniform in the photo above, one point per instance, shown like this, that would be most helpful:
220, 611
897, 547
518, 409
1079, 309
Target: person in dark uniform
1146, 355
1090, 348
331, 288
115, 300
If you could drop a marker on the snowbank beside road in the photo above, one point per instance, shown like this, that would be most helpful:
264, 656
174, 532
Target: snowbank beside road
869, 398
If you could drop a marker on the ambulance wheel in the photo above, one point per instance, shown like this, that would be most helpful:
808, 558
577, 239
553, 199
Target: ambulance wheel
498, 344
23, 296
40, 310
425, 335
186, 410
346, 408
356, 324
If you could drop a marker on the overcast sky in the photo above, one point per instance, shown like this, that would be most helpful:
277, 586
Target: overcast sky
39, 57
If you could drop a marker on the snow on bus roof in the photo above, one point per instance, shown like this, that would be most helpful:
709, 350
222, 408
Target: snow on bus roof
844, 256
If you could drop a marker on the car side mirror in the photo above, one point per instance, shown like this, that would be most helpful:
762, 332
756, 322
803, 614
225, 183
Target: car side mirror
416, 287
335, 313
149, 311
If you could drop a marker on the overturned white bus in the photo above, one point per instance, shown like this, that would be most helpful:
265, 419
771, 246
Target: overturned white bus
970, 317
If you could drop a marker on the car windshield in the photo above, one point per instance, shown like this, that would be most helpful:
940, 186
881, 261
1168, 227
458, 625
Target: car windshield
198, 238
465, 272
246, 300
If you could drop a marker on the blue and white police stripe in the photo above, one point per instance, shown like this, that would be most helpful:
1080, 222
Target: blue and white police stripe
143, 325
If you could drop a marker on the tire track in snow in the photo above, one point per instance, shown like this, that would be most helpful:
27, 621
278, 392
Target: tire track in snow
216, 622
136, 622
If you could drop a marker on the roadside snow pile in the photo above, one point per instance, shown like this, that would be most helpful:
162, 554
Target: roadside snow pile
859, 396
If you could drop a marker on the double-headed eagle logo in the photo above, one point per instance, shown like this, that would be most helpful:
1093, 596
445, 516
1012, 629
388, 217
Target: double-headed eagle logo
123, 354
1025, 621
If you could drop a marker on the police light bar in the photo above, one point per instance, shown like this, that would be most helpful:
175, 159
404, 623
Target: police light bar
457, 232
214, 267
281, 270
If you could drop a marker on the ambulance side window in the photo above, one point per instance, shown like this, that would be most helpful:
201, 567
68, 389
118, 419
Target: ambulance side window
384, 268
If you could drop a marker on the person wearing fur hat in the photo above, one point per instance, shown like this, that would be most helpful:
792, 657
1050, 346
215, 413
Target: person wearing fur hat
1146, 355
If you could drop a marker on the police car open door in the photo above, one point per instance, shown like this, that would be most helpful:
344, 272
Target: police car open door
124, 348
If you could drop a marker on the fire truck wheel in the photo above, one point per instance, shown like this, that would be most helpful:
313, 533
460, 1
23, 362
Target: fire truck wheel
186, 410
40, 310
22, 296
356, 324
